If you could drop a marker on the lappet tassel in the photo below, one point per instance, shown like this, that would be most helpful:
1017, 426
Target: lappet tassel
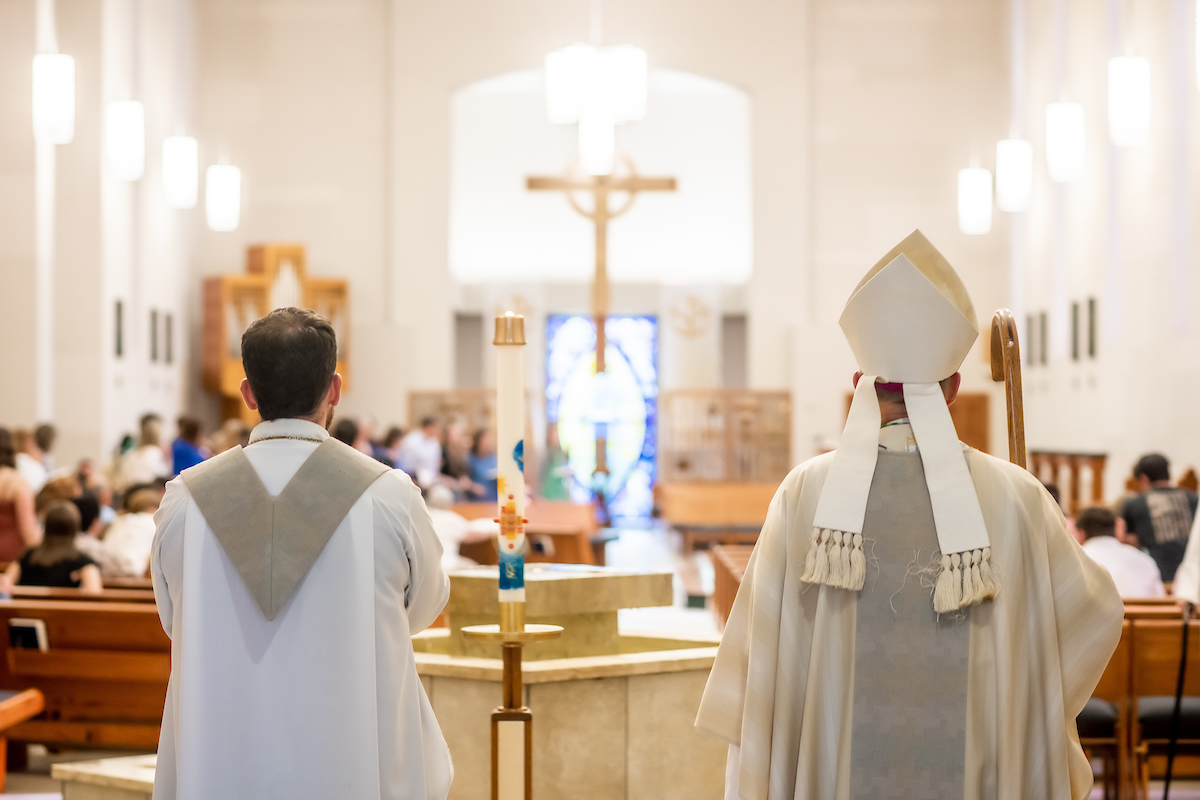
847, 561
968, 579
858, 564
956, 579
810, 559
943, 592
989, 586
836, 576
821, 568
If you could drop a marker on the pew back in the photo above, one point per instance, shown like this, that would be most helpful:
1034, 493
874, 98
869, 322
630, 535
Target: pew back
104, 674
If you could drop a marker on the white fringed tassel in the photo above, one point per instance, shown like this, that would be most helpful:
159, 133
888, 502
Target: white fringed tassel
835, 558
943, 592
858, 564
965, 579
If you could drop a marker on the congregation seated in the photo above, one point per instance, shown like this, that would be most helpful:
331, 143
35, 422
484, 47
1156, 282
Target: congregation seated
128, 540
56, 561
452, 528
1134, 572
18, 522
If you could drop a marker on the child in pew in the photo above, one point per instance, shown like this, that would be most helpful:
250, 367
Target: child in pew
56, 561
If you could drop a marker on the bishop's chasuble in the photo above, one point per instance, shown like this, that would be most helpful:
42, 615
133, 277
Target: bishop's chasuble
290, 576
830, 694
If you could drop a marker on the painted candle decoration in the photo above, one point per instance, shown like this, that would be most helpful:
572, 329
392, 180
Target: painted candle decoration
510, 451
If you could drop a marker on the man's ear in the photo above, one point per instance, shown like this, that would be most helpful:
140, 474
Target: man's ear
248, 396
334, 395
950, 388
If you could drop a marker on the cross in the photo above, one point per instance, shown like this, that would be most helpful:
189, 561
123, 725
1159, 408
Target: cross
601, 188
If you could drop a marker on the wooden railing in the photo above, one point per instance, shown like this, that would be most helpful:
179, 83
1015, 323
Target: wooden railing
724, 435
1067, 471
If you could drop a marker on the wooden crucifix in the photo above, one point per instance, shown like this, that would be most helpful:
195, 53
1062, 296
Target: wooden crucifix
601, 187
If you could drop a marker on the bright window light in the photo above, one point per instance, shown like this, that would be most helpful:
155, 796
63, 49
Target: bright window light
1014, 174
1129, 101
1064, 141
597, 144
180, 171
974, 201
125, 139
223, 197
53, 98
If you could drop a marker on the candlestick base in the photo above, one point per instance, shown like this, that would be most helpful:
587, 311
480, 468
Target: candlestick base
495, 635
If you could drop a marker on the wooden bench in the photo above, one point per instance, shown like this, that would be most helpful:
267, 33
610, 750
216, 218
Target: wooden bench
729, 565
571, 529
104, 675
106, 596
715, 513
1154, 673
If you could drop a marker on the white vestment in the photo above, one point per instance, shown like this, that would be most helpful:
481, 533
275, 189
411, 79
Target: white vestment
324, 700
1187, 578
782, 690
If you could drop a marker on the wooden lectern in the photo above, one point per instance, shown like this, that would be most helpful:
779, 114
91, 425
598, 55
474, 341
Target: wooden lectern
276, 277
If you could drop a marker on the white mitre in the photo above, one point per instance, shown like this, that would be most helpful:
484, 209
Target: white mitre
909, 321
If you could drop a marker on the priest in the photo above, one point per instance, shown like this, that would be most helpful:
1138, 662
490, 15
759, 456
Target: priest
290, 575
915, 620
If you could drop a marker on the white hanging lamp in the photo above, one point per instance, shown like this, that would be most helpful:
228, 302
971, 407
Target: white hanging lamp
974, 201
180, 171
223, 197
125, 139
53, 98
1014, 174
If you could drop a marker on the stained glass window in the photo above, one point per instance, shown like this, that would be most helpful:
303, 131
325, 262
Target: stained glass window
623, 406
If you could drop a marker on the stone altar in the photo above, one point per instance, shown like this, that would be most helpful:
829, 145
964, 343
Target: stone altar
613, 711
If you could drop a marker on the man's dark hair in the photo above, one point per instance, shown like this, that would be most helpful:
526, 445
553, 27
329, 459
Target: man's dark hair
8, 451
427, 421
1154, 466
189, 429
1096, 521
44, 436
394, 435
345, 430
290, 356
89, 510
1052, 488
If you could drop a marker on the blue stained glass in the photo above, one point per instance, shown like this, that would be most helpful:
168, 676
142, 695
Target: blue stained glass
626, 414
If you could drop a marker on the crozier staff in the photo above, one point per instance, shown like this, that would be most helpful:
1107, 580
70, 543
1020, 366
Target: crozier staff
290, 575
915, 619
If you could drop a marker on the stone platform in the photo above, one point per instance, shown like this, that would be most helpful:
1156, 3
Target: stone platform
613, 712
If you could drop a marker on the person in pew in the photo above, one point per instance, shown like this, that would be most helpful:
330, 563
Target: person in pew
18, 520
56, 561
1135, 573
483, 465
91, 526
290, 575
1161, 515
129, 538
452, 528
915, 620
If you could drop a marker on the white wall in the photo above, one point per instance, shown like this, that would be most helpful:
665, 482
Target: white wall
1137, 395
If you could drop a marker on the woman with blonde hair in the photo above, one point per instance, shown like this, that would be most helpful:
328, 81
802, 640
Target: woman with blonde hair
18, 523
148, 460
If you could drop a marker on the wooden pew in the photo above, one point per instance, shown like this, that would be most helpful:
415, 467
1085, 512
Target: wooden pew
729, 565
1113, 693
571, 529
715, 513
106, 596
1155, 671
104, 675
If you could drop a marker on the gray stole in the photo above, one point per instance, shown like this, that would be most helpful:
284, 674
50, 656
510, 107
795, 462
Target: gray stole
908, 729
273, 541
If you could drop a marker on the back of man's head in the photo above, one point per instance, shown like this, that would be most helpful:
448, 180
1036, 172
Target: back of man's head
1154, 467
290, 356
1096, 521
43, 436
345, 430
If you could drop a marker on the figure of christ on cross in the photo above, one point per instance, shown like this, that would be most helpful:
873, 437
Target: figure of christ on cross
601, 187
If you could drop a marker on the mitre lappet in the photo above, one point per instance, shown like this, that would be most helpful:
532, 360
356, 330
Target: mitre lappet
910, 322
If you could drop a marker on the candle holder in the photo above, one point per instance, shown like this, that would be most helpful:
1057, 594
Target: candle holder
512, 722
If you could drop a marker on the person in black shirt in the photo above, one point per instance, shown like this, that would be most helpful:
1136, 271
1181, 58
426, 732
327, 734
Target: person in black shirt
1161, 515
56, 561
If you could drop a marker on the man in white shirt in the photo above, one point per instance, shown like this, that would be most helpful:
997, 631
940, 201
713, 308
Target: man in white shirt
290, 576
420, 453
129, 538
1135, 573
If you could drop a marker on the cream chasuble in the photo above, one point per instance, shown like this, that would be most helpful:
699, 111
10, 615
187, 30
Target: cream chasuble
290, 577
832, 694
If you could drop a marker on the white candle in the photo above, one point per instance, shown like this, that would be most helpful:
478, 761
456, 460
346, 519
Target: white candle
510, 449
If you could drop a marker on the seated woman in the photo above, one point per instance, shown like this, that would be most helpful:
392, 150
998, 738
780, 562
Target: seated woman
56, 561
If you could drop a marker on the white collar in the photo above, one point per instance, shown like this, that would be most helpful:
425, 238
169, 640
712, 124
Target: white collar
289, 428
